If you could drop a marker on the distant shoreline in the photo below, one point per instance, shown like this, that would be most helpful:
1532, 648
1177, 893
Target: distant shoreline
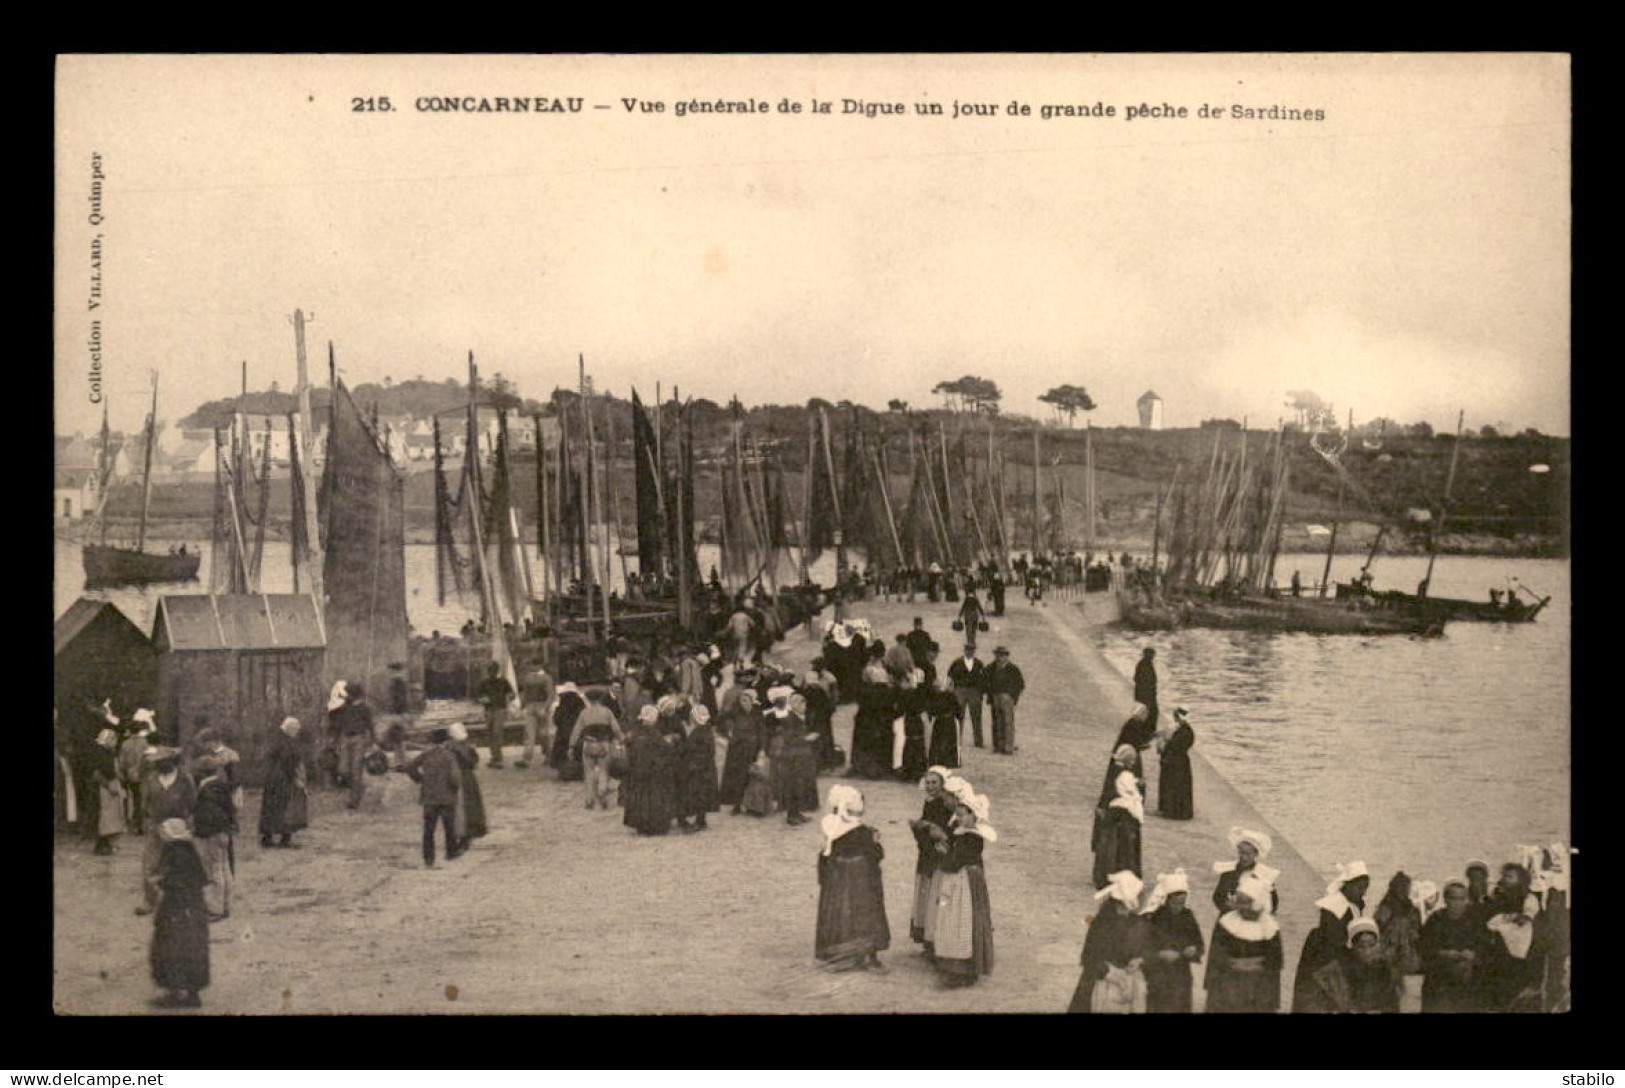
1354, 540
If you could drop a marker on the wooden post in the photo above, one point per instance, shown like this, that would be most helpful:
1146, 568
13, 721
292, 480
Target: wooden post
1444, 507
146, 467
1036, 499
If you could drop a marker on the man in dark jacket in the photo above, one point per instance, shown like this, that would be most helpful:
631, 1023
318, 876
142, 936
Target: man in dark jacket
918, 642
1004, 686
214, 819
969, 676
439, 781
353, 729
495, 694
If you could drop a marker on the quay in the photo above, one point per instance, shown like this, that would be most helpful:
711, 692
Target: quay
564, 910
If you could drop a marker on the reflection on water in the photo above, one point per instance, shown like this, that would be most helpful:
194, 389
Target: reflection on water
1410, 753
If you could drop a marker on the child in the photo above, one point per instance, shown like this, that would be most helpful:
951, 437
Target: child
180, 932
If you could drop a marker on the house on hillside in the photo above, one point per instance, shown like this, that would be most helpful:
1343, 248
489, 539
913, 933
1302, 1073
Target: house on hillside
193, 455
75, 492
1150, 406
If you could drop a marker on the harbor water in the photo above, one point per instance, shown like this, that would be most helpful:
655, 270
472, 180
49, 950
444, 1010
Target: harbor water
1402, 752
1413, 753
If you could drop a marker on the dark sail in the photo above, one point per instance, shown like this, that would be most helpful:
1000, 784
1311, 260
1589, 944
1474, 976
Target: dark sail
364, 570
821, 530
651, 518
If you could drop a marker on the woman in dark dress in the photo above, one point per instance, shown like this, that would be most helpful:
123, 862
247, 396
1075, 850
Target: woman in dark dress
1174, 784
565, 712
961, 925
929, 830
852, 928
872, 730
1113, 979
281, 807
743, 725
795, 770
1245, 956
180, 931
1137, 733
942, 708
697, 792
1252, 847
1118, 817
1174, 943
1453, 948
1343, 902
913, 701
651, 777
816, 692
470, 822
1360, 978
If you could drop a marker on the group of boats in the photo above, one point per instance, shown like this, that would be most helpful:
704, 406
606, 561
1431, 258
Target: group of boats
1224, 542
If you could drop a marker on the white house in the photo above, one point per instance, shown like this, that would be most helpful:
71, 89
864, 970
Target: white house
75, 493
1150, 406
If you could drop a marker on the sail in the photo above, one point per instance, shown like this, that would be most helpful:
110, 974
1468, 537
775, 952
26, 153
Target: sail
364, 569
651, 518
821, 530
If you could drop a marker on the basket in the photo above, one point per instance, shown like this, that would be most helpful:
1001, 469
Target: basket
982, 626
958, 625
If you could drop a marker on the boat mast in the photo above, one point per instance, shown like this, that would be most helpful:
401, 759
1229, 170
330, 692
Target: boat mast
309, 527
104, 475
1444, 507
1036, 500
1089, 486
146, 467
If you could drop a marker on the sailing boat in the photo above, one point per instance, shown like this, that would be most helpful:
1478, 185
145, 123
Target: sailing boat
110, 565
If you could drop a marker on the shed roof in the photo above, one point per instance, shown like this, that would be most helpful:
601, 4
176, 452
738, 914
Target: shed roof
239, 621
80, 615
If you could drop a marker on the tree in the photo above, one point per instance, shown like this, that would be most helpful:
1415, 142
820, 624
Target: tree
1488, 431
500, 393
971, 394
1423, 429
819, 404
1069, 400
1309, 409
895, 405
950, 392
1220, 425
1532, 432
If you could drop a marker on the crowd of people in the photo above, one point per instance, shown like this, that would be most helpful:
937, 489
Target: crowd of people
682, 731
1457, 945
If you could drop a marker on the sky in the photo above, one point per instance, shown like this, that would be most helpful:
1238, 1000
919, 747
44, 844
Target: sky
1406, 257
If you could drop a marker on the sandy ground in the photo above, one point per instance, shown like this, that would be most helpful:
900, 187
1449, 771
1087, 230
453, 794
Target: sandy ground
564, 910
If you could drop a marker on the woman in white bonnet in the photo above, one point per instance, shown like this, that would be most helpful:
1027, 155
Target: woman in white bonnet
1175, 944
852, 930
1245, 956
1113, 980
960, 930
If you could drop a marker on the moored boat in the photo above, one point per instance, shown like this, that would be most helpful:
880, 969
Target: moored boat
106, 565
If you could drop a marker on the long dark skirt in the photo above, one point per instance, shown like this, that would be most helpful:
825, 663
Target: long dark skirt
180, 931
795, 780
943, 750
961, 931
1117, 845
274, 808
653, 802
871, 744
1174, 787
851, 909
697, 790
743, 747
1167, 986
473, 805
914, 761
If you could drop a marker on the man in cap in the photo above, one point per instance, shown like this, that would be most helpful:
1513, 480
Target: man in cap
539, 696
169, 794
919, 641
968, 675
132, 762
495, 693
352, 725
439, 780
1004, 686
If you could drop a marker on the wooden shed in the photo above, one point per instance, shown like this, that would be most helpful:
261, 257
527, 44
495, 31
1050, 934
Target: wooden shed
101, 654
241, 663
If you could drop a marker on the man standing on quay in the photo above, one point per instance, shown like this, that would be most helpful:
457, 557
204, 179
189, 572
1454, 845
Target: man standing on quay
539, 695
351, 722
495, 695
1004, 687
969, 676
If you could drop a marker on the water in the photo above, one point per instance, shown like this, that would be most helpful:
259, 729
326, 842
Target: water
1413, 753
1402, 752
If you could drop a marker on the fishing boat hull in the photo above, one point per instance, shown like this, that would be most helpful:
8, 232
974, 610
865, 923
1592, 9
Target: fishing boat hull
1278, 614
109, 566
1444, 608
